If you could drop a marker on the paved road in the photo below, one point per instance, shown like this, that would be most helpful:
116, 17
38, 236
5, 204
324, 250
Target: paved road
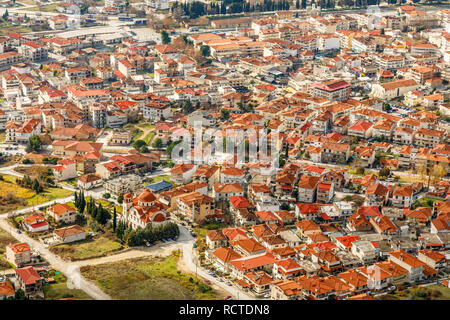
190, 262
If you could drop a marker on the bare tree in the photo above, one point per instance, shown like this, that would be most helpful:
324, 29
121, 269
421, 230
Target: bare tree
154, 22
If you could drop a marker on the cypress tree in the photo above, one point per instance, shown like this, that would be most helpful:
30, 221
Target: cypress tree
114, 219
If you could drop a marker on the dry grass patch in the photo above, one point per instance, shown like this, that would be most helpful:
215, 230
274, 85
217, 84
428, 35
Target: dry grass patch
149, 278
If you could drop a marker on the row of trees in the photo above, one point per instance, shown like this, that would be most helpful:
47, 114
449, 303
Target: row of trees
191, 10
33, 184
100, 214
197, 9
140, 236
80, 201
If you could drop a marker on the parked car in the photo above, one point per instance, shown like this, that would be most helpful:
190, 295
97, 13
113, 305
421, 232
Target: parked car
392, 288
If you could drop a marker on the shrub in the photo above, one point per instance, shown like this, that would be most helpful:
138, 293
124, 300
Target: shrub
421, 293
436, 293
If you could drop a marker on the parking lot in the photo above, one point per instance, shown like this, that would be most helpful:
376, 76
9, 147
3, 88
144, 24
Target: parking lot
10, 149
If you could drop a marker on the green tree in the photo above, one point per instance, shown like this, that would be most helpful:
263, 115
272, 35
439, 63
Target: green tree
158, 143
114, 220
34, 144
165, 39
82, 202
205, 50
188, 107
20, 295
385, 172
171, 146
224, 114
120, 199
36, 186
138, 144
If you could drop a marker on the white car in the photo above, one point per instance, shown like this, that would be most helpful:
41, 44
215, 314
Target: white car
392, 288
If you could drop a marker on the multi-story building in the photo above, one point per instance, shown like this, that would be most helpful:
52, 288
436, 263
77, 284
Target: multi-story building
33, 51
335, 152
62, 213
428, 138
29, 281
155, 111
307, 187
196, 207
16, 132
332, 90
19, 254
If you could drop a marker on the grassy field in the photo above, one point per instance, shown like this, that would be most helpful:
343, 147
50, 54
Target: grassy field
148, 278
59, 290
48, 195
432, 292
27, 2
8, 186
97, 246
6, 27
149, 137
139, 130
5, 239
145, 125
426, 202
47, 8
2, 135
